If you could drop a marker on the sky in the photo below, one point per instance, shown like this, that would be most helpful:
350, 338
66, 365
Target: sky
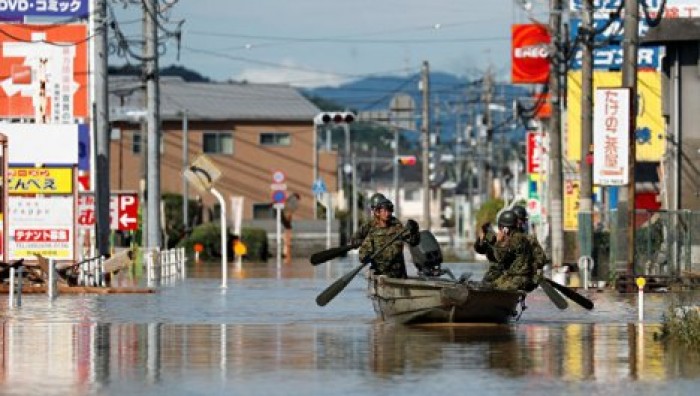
311, 43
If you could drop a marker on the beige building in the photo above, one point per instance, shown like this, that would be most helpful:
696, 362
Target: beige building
249, 131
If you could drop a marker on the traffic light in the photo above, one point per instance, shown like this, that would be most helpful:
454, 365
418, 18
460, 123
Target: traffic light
407, 160
337, 117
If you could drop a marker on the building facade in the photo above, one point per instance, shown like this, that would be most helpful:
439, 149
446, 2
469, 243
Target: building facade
249, 131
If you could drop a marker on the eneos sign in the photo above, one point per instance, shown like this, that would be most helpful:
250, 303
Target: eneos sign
530, 54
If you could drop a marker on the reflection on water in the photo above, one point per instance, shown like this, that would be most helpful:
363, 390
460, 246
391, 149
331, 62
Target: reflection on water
264, 335
91, 357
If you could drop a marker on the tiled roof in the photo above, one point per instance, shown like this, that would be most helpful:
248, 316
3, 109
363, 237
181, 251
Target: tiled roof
212, 101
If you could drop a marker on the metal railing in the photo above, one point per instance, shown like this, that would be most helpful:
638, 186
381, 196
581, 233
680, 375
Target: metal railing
164, 266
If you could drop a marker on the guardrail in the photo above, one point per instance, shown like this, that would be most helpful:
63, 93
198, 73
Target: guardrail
164, 266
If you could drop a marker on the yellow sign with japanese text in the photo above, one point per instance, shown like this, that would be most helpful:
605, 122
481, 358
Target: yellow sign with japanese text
40, 181
571, 204
650, 124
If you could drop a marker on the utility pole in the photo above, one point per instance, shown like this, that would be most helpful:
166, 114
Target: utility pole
488, 177
585, 214
425, 142
153, 121
185, 166
625, 208
102, 130
555, 167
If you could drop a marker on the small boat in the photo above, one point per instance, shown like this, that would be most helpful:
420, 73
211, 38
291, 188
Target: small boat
431, 298
415, 300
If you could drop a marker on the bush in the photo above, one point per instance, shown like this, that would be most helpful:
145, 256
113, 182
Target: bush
488, 211
209, 235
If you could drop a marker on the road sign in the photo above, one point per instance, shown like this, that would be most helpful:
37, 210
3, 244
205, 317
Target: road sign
279, 196
123, 211
319, 187
278, 177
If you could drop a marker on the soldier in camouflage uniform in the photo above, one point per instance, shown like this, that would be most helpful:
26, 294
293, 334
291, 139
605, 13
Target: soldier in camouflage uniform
384, 227
513, 252
539, 257
362, 232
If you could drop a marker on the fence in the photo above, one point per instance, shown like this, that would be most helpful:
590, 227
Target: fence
164, 266
667, 243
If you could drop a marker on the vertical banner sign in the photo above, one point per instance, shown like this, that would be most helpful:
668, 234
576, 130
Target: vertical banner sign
44, 72
529, 54
534, 152
572, 187
611, 114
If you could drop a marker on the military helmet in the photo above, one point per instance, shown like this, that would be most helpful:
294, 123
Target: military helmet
375, 199
520, 212
507, 219
380, 201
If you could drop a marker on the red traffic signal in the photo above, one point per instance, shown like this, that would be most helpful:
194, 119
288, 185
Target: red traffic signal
343, 117
407, 160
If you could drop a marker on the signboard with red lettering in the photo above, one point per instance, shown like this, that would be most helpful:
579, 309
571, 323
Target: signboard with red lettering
530, 54
123, 211
534, 152
611, 116
41, 225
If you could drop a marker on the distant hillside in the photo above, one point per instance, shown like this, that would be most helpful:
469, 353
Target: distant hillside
456, 101
170, 71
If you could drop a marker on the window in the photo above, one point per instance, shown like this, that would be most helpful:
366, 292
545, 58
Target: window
136, 142
263, 211
217, 142
275, 139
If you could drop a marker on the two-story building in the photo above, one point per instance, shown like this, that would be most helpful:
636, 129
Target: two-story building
249, 131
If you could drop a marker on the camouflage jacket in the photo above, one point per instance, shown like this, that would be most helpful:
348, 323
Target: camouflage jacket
377, 237
514, 253
539, 257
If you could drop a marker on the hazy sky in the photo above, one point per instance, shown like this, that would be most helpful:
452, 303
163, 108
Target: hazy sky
325, 42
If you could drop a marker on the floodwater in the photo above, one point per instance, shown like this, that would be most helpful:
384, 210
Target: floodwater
264, 335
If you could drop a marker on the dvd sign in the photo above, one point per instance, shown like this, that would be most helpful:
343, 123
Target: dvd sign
530, 54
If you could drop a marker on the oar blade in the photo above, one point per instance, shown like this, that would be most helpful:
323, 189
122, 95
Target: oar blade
336, 287
572, 295
328, 254
554, 296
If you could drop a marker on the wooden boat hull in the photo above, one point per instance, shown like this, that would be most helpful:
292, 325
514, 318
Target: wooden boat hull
440, 301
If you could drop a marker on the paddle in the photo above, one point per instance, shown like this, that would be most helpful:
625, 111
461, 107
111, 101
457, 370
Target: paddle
553, 295
571, 294
329, 254
336, 287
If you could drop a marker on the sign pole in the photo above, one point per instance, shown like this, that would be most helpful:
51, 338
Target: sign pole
224, 248
278, 209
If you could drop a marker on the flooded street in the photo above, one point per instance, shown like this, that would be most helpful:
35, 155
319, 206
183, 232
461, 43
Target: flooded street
264, 335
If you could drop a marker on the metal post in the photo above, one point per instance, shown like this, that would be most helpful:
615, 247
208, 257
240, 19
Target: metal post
11, 293
278, 233
224, 248
397, 201
629, 79
153, 118
354, 195
185, 165
52, 279
425, 142
102, 132
329, 214
555, 150
585, 214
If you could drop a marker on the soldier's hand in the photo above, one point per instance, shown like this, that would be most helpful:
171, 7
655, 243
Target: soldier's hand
412, 226
366, 259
